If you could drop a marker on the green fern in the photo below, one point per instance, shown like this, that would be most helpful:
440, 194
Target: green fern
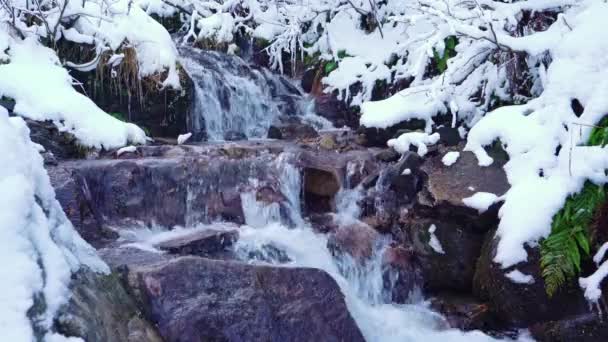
569, 241
450, 51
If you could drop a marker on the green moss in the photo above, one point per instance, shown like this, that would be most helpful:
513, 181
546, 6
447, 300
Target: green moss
570, 239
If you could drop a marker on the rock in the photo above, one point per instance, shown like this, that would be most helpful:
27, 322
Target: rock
587, 327
327, 142
388, 155
449, 262
357, 240
101, 310
336, 111
234, 136
207, 243
465, 312
522, 304
308, 79
197, 299
377, 137
58, 145
449, 136
291, 128
445, 188
165, 188
401, 274
162, 111
323, 222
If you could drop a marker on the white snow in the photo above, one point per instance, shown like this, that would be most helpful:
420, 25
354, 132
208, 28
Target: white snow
39, 242
418, 139
182, 138
126, 149
450, 158
434, 241
43, 90
517, 277
591, 285
406, 172
480, 201
601, 252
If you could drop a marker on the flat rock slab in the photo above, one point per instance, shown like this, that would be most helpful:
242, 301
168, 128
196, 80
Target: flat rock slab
208, 243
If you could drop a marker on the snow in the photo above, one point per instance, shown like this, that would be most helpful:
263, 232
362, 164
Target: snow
38, 240
601, 252
43, 90
434, 241
591, 285
450, 158
517, 277
406, 172
126, 149
418, 139
480, 201
182, 138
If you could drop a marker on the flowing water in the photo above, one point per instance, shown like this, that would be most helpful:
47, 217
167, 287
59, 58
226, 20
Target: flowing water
234, 100
233, 97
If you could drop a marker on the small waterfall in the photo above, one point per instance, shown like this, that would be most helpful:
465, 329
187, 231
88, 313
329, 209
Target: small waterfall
234, 100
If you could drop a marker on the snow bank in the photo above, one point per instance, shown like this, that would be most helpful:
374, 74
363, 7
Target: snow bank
42, 90
39, 242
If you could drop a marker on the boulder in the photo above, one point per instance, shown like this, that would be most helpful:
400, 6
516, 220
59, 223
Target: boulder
523, 304
197, 299
101, 310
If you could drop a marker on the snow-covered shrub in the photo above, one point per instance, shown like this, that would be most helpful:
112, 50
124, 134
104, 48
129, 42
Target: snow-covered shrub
39, 245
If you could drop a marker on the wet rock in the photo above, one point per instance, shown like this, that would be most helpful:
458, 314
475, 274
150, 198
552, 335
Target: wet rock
291, 128
196, 299
234, 136
336, 111
449, 136
401, 273
447, 254
270, 254
388, 155
465, 312
356, 240
58, 145
100, 310
522, 304
323, 222
207, 243
587, 327
200, 185
308, 79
